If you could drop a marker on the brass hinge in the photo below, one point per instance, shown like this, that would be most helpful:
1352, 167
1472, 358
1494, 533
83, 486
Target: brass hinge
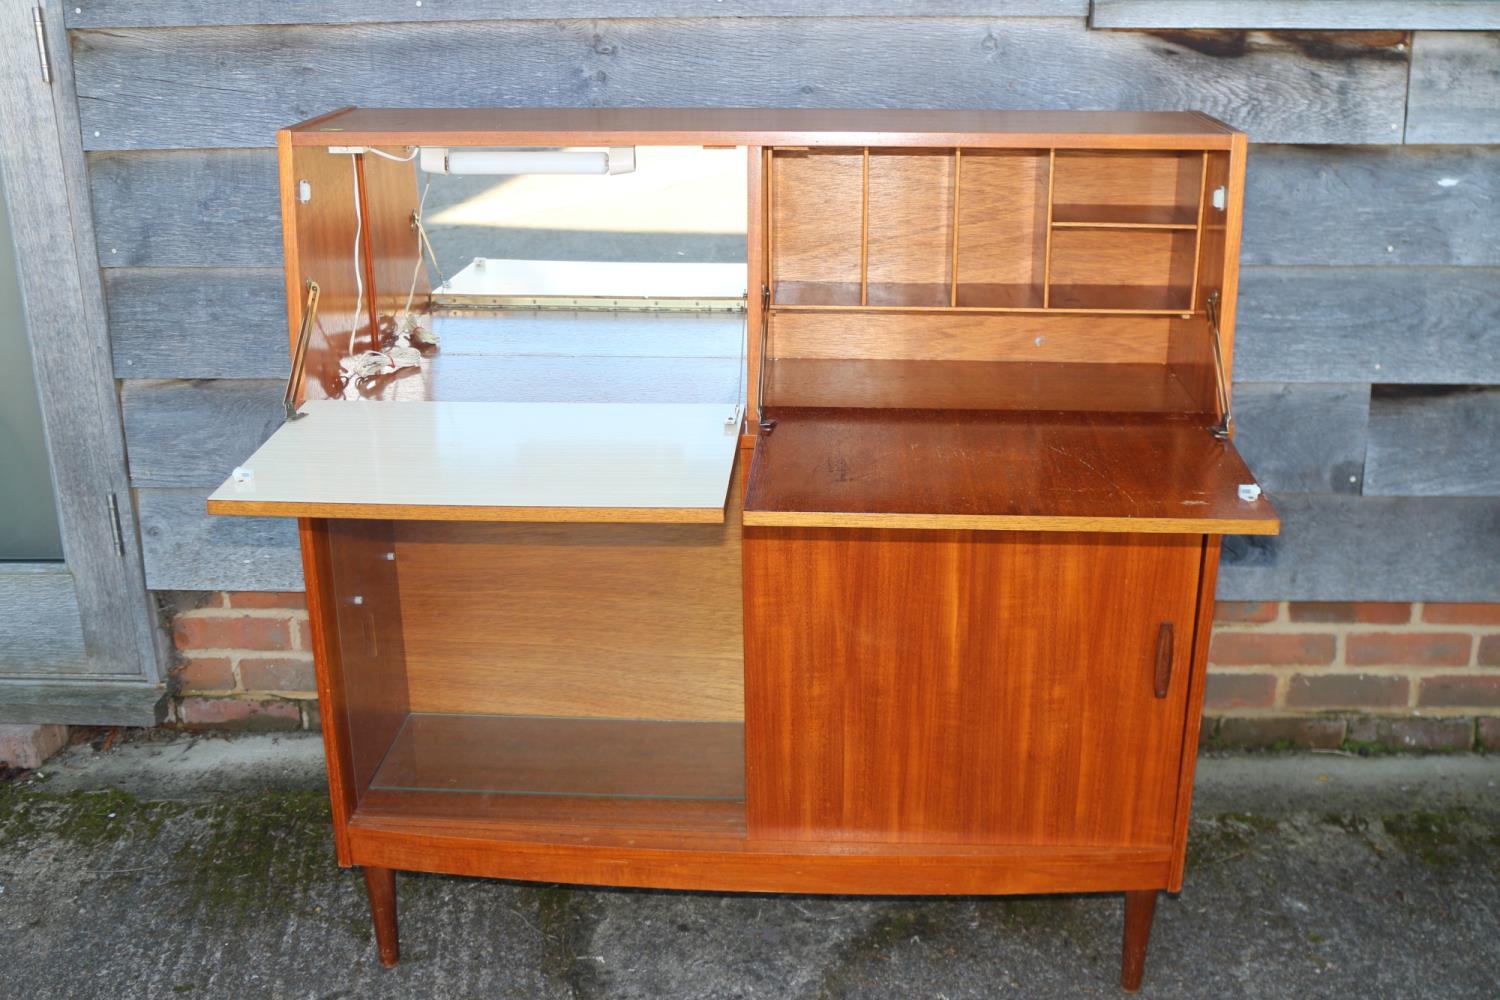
766, 424
299, 352
41, 43
114, 524
1226, 419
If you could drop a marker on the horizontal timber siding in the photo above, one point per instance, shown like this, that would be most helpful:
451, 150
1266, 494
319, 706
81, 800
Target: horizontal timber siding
1367, 262
141, 88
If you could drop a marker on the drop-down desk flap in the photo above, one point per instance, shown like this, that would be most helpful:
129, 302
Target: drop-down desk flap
449, 461
1014, 471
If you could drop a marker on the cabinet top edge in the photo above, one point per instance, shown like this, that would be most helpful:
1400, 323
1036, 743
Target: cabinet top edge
765, 127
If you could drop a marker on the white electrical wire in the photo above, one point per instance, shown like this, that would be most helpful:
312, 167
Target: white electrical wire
393, 157
416, 271
359, 281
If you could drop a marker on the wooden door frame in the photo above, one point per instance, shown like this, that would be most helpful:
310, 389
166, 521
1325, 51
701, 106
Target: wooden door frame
84, 646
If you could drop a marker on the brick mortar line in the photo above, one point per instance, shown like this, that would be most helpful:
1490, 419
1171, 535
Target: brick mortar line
1345, 628
1344, 714
1279, 692
1345, 670
265, 693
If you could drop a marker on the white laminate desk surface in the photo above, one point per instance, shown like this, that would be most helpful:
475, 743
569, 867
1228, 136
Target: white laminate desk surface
584, 462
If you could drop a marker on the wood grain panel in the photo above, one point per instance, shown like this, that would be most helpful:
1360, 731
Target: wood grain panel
1002, 224
970, 337
323, 611
815, 210
1422, 325
1086, 186
903, 686
975, 385
140, 88
734, 864
780, 126
392, 195
1434, 441
1122, 269
910, 225
1346, 548
319, 245
370, 687
1191, 345
577, 620
190, 13
1005, 472
1455, 86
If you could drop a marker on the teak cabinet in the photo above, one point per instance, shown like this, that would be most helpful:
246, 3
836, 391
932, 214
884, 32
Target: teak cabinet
928, 613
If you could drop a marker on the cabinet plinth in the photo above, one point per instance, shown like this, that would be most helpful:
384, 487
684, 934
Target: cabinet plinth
923, 608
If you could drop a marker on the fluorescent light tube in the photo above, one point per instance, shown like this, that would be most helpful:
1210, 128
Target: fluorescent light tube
620, 160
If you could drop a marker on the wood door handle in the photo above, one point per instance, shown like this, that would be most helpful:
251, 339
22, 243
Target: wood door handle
1163, 659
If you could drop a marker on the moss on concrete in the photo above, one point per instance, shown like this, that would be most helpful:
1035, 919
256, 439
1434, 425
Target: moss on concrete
1431, 836
254, 850
80, 818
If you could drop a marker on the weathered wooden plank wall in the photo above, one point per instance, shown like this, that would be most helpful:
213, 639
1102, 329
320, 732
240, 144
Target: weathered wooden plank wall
1372, 242
1342, 14
141, 88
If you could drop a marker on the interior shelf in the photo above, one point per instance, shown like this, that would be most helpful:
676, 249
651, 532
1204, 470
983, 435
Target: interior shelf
1122, 298
1125, 216
530, 755
587, 780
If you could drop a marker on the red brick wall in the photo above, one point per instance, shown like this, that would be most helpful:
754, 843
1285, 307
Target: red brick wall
244, 661
1306, 674
1320, 674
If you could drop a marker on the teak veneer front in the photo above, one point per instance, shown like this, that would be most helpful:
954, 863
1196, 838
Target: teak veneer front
934, 619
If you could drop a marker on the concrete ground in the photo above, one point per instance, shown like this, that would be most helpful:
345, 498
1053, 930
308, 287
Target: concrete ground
203, 867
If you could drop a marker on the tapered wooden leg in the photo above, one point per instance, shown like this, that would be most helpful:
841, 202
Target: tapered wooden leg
381, 882
1140, 907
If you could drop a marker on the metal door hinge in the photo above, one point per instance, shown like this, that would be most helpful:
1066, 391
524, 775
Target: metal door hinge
41, 44
1221, 382
114, 524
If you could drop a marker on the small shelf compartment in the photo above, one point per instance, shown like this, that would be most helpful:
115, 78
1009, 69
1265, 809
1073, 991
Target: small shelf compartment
985, 230
1127, 189
909, 228
1001, 245
1128, 270
817, 226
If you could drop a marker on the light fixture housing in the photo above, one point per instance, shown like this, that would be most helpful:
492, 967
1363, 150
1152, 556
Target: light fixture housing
440, 160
